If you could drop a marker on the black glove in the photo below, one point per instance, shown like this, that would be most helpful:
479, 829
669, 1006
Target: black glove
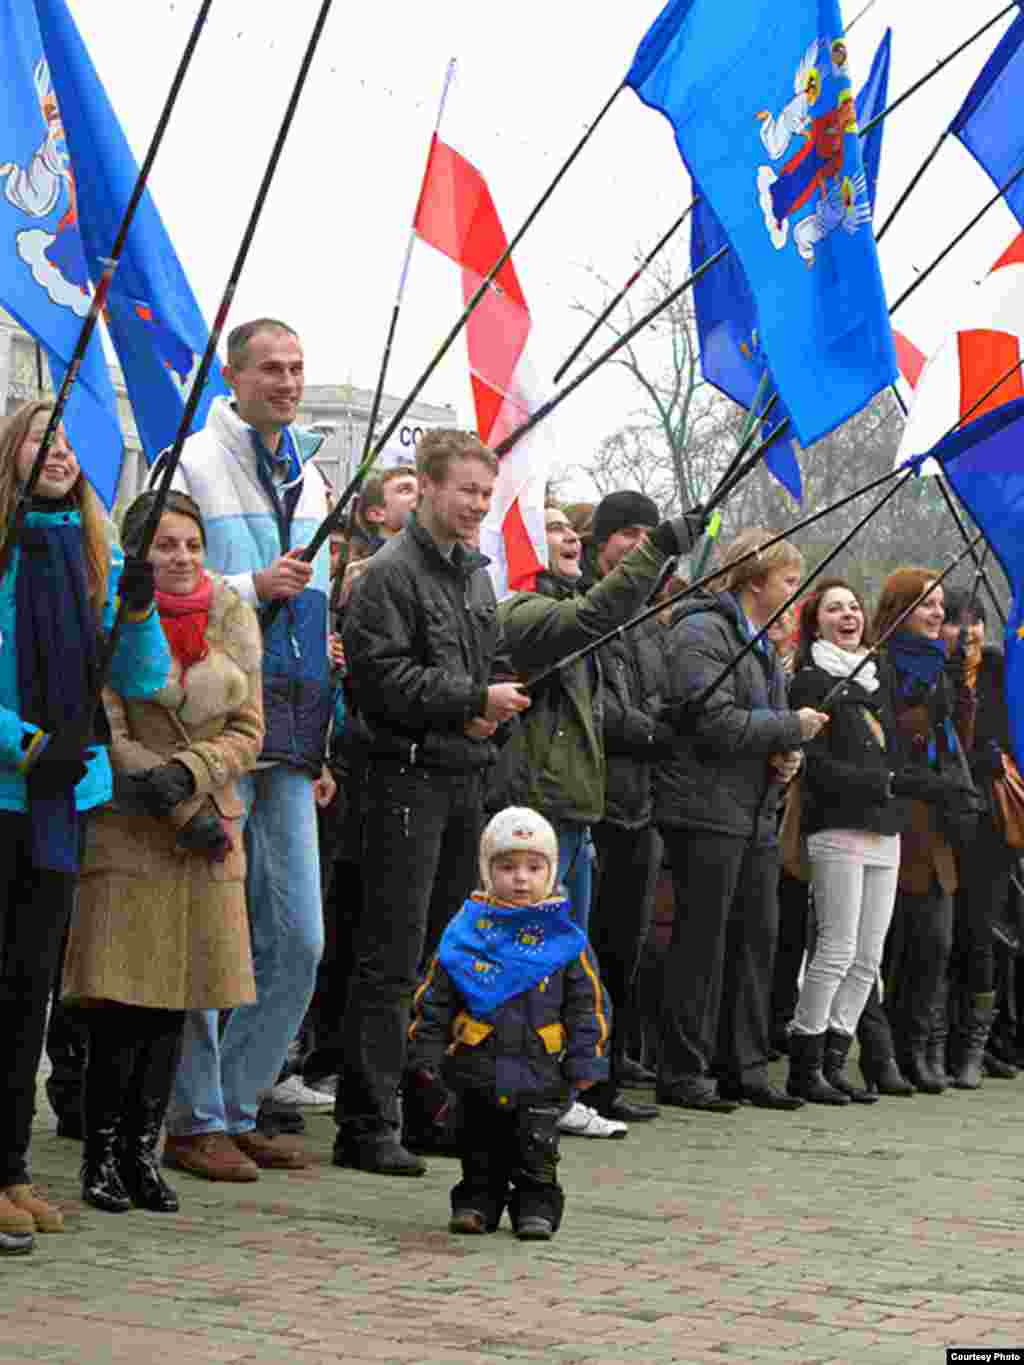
923, 785
136, 586
205, 834
159, 790
60, 766
679, 535
987, 763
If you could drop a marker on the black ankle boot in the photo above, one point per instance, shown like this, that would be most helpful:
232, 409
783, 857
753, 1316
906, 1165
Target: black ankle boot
919, 1071
102, 1186
974, 1031
837, 1050
883, 1077
139, 1167
805, 1080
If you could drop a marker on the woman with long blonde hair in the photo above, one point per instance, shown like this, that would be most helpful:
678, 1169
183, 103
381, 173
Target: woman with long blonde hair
59, 577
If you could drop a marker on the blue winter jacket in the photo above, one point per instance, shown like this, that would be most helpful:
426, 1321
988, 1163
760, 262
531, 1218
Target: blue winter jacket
248, 525
139, 669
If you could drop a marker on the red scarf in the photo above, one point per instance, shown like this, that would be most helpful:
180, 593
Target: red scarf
184, 617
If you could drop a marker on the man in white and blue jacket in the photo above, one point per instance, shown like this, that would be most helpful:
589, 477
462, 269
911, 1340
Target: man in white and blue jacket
251, 473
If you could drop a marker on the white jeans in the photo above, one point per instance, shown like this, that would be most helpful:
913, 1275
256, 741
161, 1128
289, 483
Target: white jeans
854, 878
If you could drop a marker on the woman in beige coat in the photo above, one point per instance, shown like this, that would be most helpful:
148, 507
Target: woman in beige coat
161, 925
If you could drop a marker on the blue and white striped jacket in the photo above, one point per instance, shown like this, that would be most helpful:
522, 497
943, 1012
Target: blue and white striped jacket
245, 531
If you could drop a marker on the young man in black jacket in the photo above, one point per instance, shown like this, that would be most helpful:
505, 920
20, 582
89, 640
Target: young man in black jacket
420, 639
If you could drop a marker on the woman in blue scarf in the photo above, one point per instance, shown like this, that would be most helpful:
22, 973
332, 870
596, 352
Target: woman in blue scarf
60, 581
934, 713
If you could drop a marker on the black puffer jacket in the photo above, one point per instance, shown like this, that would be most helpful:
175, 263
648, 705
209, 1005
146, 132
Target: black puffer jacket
421, 636
846, 778
719, 780
633, 673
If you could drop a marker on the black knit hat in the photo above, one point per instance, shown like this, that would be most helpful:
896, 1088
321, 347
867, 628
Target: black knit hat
619, 510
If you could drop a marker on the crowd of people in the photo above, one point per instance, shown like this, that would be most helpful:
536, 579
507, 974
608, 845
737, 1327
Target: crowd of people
404, 843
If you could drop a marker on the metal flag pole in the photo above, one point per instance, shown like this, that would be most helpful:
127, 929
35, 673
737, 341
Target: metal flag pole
610, 308
99, 297
912, 186
386, 358
932, 584
939, 66
947, 497
334, 518
1000, 194
903, 473
170, 462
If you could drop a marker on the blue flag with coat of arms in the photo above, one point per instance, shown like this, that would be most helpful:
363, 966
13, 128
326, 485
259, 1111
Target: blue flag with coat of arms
44, 277
152, 315
761, 103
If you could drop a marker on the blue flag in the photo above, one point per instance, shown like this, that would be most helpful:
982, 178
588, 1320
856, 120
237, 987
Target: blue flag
990, 123
870, 103
731, 355
730, 350
44, 280
759, 97
984, 461
153, 318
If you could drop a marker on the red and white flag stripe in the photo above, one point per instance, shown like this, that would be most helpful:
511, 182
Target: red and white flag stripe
456, 214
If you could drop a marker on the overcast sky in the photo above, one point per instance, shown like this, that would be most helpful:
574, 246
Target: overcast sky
531, 76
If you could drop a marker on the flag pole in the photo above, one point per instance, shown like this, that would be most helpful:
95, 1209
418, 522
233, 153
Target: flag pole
170, 462
110, 265
698, 702
40, 384
1000, 194
903, 473
912, 186
930, 587
333, 520
939, 66
545, 409
486, 283
610, 308
944, 489
386, 358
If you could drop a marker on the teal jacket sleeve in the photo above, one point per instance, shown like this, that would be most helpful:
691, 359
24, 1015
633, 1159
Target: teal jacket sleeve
142, 661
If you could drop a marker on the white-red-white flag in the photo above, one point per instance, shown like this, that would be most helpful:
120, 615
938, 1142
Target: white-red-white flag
456, 214
958, 377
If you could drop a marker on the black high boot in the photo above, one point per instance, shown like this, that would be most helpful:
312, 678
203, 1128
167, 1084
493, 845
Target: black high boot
145, 1106
938, 1040
107, 1075
975, 1026
837, 1050
805, 1080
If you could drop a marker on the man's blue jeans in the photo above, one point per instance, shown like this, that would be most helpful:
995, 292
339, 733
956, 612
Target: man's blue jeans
576, 869
223, 1072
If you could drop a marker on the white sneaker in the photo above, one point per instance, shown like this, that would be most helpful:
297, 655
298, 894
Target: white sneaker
582, 1121
294, 1093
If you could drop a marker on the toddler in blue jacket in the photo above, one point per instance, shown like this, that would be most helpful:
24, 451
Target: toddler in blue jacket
510, 1016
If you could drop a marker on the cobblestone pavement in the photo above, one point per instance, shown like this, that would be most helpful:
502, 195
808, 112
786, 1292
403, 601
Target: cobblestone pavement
825, 1237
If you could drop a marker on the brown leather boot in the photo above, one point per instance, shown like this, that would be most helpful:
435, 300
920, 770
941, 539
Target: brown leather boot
212, 1156
271, 1153
14, 1220
45, 1217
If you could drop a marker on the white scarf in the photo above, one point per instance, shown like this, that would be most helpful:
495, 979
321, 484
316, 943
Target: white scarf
840, 663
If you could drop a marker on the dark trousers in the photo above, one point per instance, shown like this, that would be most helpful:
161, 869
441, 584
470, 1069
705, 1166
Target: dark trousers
35, 907
509, 1157
620, 917
133, 1057
984, 885
66, 1047
421, 835
789, 952
914, 965
718, 969
874, 1035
